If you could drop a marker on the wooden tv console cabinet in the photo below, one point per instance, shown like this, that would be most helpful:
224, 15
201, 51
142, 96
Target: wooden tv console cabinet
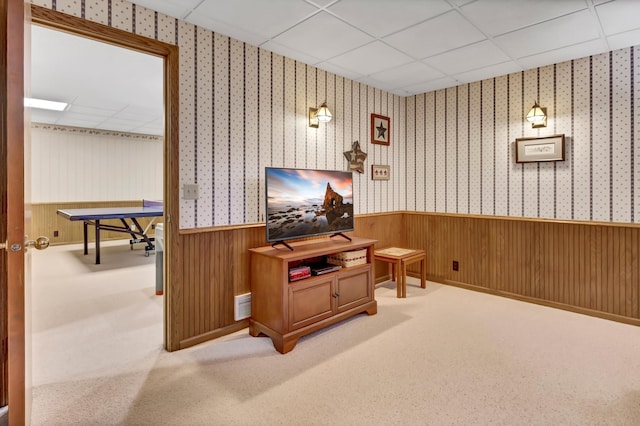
286, 311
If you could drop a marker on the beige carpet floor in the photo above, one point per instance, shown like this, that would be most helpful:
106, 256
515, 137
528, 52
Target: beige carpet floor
442, 356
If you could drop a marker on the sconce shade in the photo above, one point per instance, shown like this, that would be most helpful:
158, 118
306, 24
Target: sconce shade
323, 114
537, 116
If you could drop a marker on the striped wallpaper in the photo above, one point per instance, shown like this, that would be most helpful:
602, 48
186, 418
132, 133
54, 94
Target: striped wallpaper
243, 108
463, 142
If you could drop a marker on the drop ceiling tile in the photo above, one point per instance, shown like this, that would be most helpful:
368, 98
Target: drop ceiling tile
87, 118
495, 17
619, 16
107, 102
324, 36
370, 59
339, 71
477, 55
289, 52
265, 18
488, 72
44, 116
576, 51
149, 130
626, 39
571, 29
435, 36
430, 86
383, 18
408, 74
96, 109
78, 122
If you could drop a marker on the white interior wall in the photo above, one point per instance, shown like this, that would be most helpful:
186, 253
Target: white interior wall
71, 164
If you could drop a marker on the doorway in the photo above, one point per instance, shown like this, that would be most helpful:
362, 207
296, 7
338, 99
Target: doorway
106, 146
55, 20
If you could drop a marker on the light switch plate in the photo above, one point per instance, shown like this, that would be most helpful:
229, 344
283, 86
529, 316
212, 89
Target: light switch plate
190, 191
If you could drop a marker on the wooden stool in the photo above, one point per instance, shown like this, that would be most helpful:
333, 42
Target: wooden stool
398, 259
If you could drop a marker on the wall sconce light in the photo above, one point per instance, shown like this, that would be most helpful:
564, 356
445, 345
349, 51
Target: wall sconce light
537, 116
318, 115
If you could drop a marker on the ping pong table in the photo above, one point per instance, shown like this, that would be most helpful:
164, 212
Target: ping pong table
93, 216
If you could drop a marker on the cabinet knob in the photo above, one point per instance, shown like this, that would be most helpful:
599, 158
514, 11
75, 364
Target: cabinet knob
336, 294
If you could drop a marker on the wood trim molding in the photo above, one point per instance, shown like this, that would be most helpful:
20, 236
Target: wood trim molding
525, 219
555, 305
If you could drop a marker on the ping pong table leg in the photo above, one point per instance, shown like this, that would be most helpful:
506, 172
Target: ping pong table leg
97, 224
86, 244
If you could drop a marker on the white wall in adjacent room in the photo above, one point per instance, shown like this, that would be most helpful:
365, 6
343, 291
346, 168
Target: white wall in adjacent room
70, 164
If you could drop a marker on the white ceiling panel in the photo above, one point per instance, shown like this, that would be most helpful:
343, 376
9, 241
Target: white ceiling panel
619, 41
405, 75
346, 73
560, 55
324, 36
487, 72
619, 16
435, 36
565, 31
474, 56
428, 86
290, 52
495, 17
374, 57
381, 18
257, 15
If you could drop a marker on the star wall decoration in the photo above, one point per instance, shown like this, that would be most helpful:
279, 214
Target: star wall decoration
380, 129
356, 158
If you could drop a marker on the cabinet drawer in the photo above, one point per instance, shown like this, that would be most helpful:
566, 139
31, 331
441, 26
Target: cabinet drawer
354, 287
310, 301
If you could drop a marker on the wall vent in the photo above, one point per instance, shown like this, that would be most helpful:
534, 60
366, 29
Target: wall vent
242, 306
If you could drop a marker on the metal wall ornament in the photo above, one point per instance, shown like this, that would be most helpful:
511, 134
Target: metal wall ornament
356, 158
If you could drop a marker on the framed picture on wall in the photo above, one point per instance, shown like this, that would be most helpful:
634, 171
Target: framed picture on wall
547, 148
380, 129
379, 172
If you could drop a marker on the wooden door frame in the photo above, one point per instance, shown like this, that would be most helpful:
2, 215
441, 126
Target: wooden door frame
82, 27
12, 148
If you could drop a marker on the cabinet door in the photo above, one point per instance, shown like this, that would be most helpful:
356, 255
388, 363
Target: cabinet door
354, 287
311, 300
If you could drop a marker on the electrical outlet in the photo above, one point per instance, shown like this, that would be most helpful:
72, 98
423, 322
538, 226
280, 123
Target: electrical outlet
56, 233
190, 191
455, 265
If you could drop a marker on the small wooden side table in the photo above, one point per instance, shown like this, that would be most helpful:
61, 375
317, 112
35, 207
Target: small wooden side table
398, 259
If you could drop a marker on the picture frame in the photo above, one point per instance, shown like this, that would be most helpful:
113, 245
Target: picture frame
380, 129
380, 172
539, 149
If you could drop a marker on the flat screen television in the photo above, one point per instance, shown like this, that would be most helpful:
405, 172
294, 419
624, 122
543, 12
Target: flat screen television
306, 202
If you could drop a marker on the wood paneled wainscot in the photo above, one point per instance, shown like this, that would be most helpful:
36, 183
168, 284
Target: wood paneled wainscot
286, 311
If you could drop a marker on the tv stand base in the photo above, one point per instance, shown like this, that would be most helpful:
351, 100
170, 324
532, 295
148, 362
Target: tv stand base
283, 243
341, 235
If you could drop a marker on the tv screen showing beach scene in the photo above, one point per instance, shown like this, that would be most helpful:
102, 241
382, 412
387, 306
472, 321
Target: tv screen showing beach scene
305, 202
